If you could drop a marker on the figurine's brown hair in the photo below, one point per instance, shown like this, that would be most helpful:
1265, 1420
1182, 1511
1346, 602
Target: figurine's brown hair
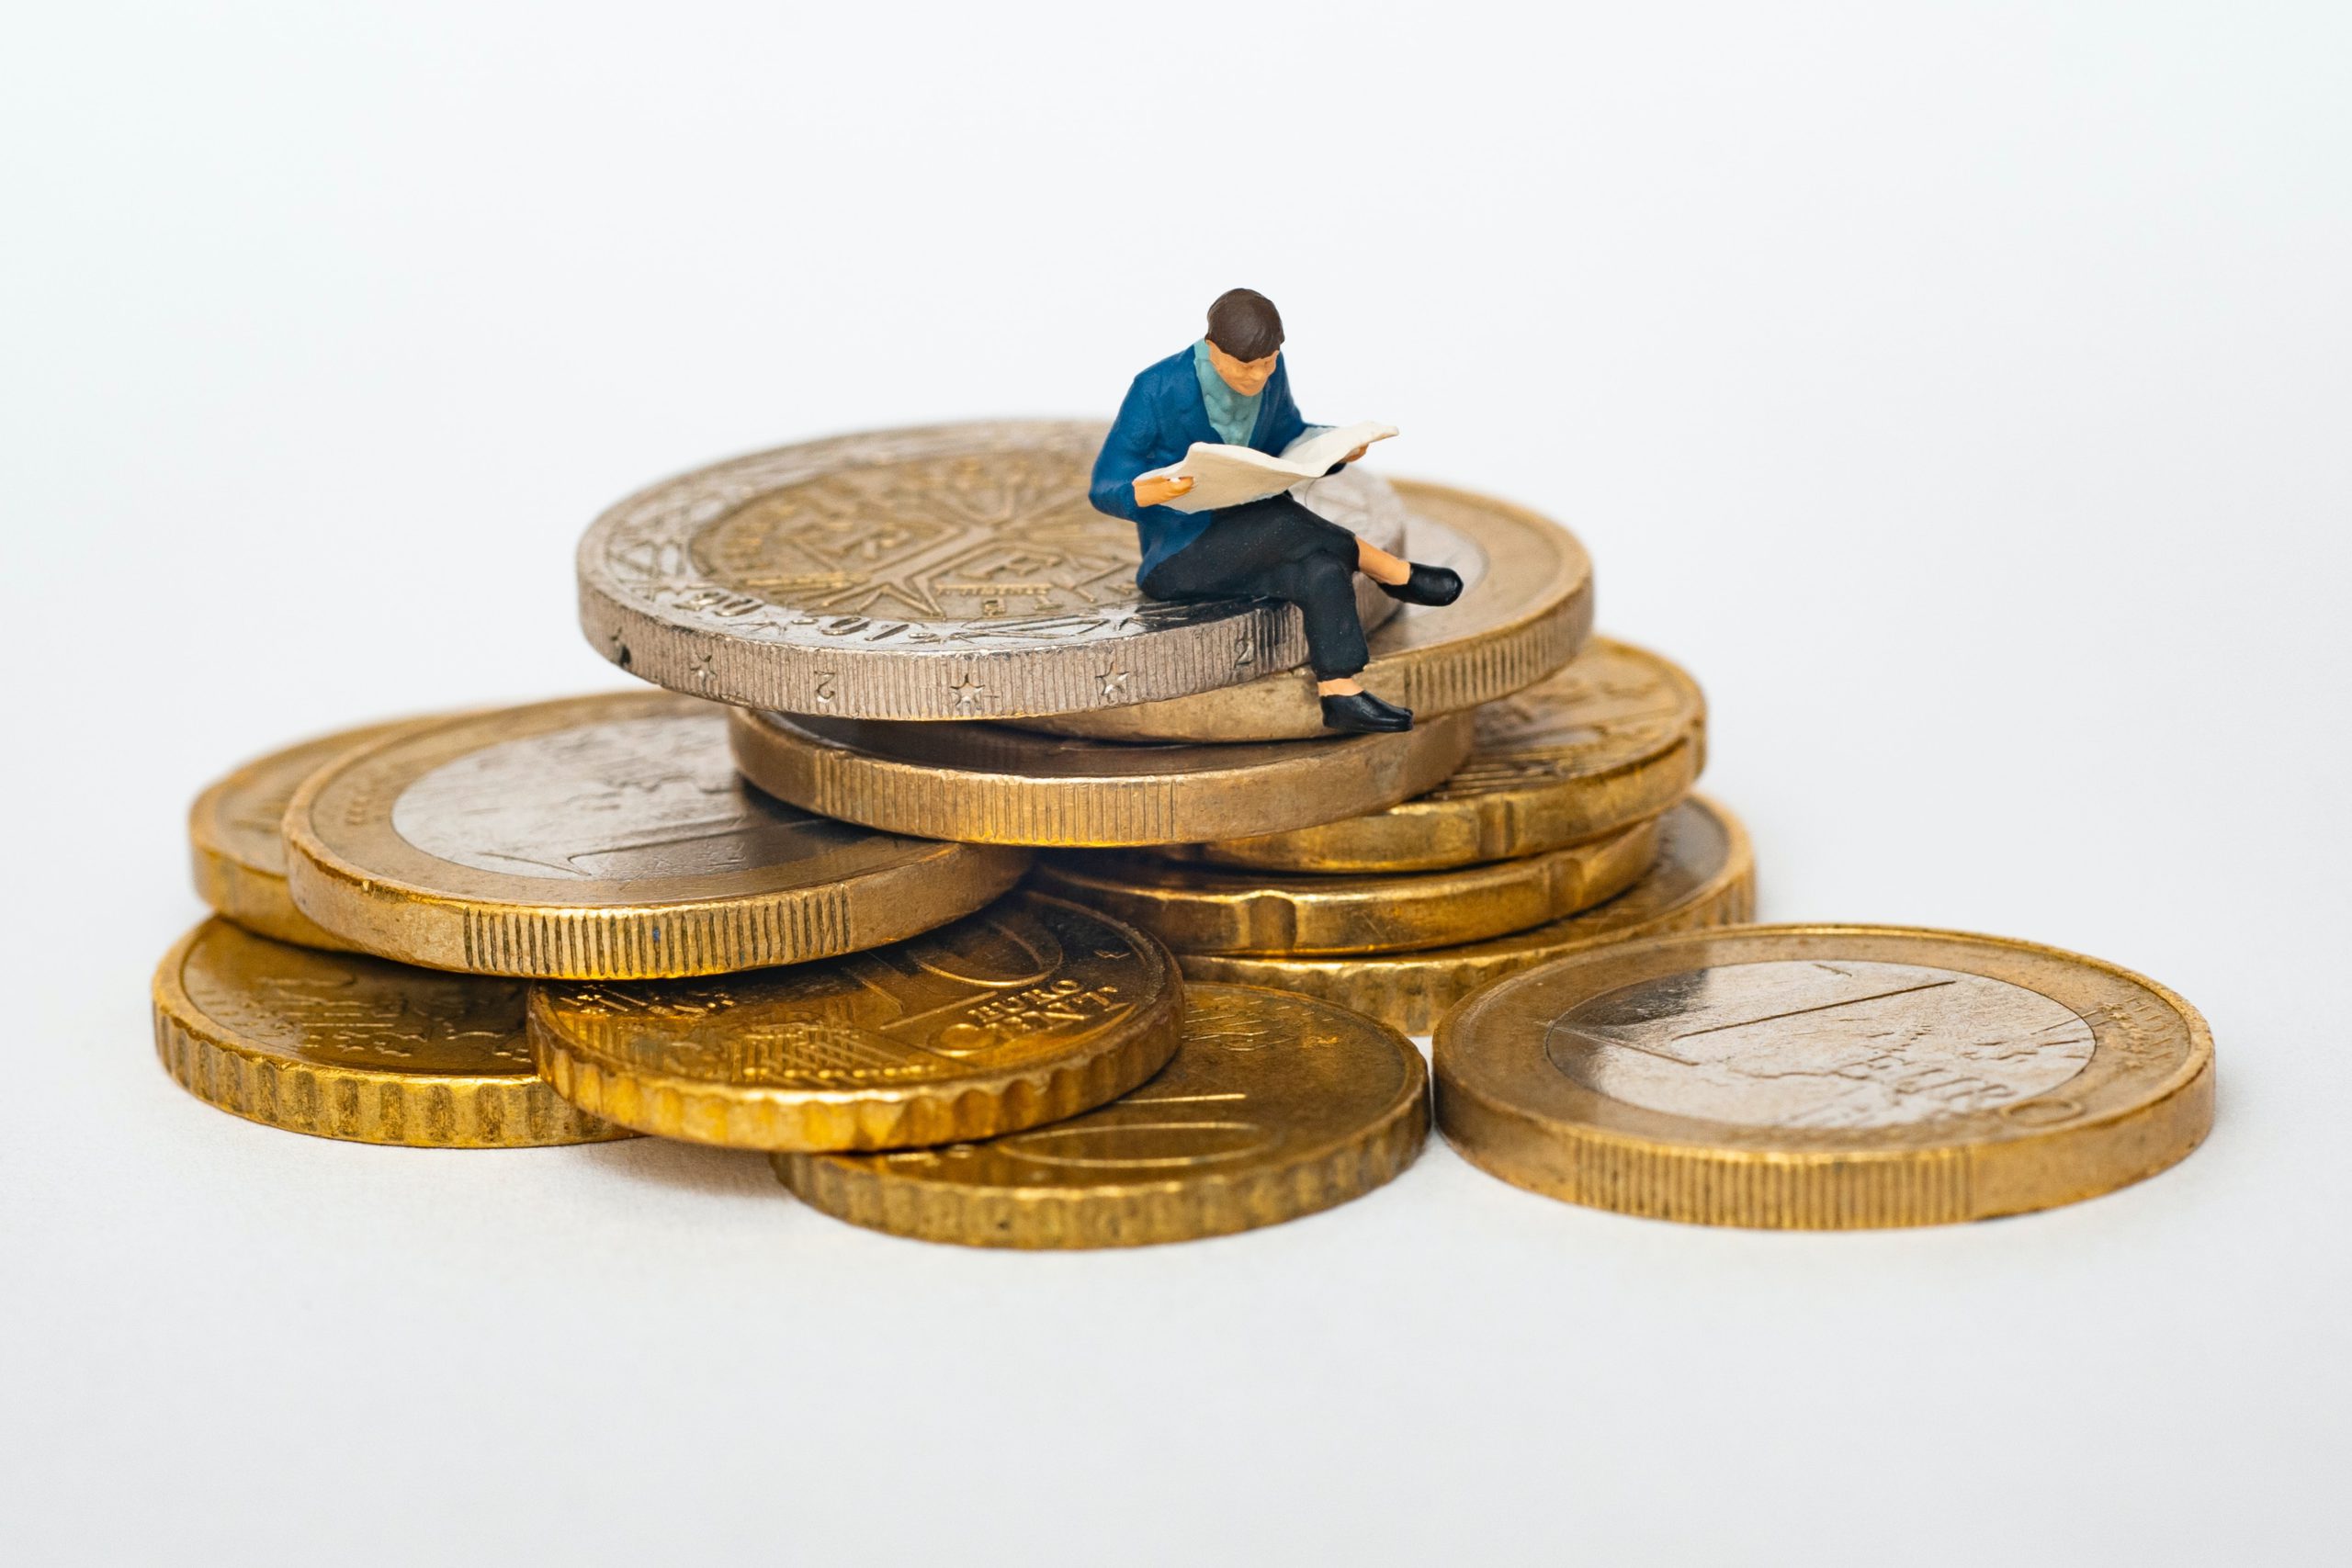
1245, 324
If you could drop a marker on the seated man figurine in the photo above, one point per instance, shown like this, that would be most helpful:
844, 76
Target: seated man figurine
1232, 387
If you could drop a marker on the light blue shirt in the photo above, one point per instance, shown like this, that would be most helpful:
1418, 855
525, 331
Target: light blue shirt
1231, 415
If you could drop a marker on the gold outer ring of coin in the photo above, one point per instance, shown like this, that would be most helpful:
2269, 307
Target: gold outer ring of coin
987, 784
1209, 910
2129, 1091
236, 851
1525, 612
350, 1032
1704, 875
356, 874
1616, 735
908, 1047
1274, 1107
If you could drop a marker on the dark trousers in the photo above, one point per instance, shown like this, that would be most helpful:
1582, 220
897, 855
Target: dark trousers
1276, 548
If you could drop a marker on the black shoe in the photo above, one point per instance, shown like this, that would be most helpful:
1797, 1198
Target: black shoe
1427, 585
1361, 713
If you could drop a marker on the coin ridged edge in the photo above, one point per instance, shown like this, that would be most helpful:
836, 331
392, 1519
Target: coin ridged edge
1485, 901
638, 942
1452, 677
1506, 824
913, 1116
1432, 680
819, 775
925, 1212
356, 1105
256, 899
376, 914
1839, 1189
1142, 1214
1411, 990
252, 896
1267, 636
901, 684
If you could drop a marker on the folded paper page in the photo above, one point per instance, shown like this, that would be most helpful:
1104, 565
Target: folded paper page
1228, 475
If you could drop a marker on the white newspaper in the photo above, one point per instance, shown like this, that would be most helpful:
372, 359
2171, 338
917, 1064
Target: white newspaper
1228, 476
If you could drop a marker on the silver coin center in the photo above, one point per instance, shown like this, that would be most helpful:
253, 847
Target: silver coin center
629, 799
1820, 1045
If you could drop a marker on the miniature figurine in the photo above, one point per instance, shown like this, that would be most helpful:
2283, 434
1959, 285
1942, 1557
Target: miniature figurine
1231, 390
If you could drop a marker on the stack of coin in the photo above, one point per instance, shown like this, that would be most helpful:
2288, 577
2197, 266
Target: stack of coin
708, 965
1571, 824
575, 921
788, 905
383, 892
878, 608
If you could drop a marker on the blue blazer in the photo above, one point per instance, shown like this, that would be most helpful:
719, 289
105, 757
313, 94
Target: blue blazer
1162, 416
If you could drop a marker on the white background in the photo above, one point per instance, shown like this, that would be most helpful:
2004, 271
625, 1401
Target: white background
1963, 393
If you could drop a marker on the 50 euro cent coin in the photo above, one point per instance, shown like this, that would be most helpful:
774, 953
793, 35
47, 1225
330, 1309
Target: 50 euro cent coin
341, 1045
1029, 1011
1273, 1107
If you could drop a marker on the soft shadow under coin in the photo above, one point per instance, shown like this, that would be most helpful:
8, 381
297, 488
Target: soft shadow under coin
692, 1167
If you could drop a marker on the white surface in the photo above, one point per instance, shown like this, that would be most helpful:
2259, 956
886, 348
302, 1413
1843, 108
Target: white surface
1964, 397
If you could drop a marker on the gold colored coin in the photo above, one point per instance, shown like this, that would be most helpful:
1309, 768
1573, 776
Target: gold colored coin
1274, 1107
602, 838
1210, 910
340, 1046
989, 785
1704, 875
1615, 736
1526, 608
238, 851
1825, 1078
1030, 1011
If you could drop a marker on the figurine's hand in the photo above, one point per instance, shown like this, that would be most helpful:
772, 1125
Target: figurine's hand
1357, 455
1156, 492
